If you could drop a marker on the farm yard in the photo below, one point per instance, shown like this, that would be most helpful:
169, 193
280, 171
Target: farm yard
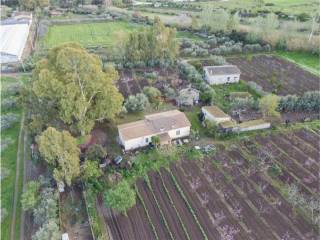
233, 193
276, 75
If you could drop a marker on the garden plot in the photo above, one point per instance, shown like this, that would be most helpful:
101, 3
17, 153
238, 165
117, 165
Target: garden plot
231, 193
133, 81
276, 75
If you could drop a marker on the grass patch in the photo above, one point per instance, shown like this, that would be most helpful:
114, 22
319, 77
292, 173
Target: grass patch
8, 161
105, 34
308, 61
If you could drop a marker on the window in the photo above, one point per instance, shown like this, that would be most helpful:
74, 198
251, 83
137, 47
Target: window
178, 132
228, 78
147, 140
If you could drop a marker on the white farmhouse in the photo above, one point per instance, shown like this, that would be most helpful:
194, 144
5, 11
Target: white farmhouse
215, 114
167, 125
215, 75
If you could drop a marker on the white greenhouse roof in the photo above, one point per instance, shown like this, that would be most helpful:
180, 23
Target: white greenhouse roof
13, 38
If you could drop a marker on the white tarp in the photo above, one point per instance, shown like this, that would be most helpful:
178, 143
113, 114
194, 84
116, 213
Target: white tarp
13, 38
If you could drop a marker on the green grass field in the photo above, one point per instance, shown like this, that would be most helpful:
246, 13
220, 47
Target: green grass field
8, 163
89, 34
286, 6
106, 34
306, 60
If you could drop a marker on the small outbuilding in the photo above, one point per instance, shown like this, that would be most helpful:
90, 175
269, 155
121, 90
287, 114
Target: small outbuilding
214, 114
215, 75
252, 125
188, 97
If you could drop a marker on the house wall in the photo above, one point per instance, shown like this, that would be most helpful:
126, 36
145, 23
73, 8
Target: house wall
222, 79
212, 118
136, 142
184, 132
141, 141
256, 127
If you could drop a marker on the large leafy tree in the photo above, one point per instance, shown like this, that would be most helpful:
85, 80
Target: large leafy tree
73, 82
155, 44
33, 4
269, 106
121, 198
60, 150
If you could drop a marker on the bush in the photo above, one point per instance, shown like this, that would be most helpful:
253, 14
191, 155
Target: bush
5, 142
13, 89
8, 120
194, 154
212, 128
310, 101
245, 103
257, 88
189, 72
137, 103
8, 103
169, 93
120, 198
95, 153
274, 170
30, 196
207, 96
218, 60
152, 93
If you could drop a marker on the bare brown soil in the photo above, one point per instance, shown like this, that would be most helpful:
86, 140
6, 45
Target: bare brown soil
276, 75
227, 194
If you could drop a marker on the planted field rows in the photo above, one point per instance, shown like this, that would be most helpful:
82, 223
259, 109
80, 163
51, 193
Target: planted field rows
274, 74
228, 194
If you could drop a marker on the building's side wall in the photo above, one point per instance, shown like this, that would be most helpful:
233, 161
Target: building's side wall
135, 143
141, 141
184, 132
211, 118
222, 79
256, 127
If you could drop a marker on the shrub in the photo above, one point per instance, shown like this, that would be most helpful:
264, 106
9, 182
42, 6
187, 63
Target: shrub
245, 103
257, 88
169, 93
310, 101
5, 142
189, 72
8, 103
8, 120
274, 170
218, 60
212, 128
207, 96
30, 197
194, 154
120, 198
137, 103
152, 93
95, 153
13, 89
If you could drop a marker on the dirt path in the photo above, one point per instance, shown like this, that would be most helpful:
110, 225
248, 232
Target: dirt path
16, 186
26, 173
